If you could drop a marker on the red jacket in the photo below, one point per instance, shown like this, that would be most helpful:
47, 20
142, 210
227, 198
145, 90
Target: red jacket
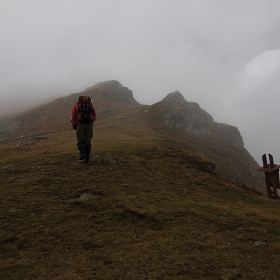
74, 116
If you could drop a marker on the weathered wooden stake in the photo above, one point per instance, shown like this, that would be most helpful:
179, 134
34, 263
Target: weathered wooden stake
271, 172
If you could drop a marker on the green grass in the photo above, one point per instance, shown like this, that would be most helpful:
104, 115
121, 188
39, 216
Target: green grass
159, 211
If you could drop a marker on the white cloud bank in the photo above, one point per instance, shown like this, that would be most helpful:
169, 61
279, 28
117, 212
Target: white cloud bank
254, 107
262, 67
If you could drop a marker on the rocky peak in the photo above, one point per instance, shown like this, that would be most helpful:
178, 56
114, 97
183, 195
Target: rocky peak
180, 113
112, 90
177, 112
173, 98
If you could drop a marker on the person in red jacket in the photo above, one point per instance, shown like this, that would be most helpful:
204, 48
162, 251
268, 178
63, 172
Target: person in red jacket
83, 117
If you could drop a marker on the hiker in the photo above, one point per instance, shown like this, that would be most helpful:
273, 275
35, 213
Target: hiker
83, 117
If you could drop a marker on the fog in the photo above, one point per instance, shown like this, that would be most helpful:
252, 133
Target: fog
222, 54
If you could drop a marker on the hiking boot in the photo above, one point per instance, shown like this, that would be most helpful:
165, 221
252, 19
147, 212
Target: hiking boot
86, 158
82, 158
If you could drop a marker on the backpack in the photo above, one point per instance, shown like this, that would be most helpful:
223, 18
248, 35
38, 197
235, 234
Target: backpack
85, 110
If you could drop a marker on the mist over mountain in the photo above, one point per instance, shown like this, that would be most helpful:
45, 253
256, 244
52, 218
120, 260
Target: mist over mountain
172, 117
218, 54
17, 104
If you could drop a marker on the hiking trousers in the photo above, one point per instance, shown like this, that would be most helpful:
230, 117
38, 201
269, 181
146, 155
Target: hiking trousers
84, 134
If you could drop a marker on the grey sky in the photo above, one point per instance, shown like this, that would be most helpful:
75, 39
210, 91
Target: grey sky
222, 54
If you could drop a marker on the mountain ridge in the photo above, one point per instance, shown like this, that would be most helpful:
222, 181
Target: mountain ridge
171, 117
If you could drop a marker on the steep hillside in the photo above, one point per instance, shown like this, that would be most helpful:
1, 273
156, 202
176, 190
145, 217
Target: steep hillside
120, 114
199, 132
108, 98
146, 206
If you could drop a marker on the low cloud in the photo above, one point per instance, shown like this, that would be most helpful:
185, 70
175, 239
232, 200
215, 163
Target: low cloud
254, 106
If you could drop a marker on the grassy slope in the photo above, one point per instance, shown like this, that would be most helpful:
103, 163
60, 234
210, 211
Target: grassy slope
155, 214
235, 164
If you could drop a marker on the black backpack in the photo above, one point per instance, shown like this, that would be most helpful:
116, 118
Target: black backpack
85, 110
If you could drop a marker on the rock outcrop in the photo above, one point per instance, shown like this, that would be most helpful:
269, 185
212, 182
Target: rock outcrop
112, 90
177, 112
189, 115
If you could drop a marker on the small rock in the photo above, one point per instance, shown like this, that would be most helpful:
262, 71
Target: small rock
114, 160
88, 196
260, 244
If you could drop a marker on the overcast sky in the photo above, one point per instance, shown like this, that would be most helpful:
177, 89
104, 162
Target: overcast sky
222, 54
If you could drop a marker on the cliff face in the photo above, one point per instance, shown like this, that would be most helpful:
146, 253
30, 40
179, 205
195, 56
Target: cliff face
180, 113
177, 112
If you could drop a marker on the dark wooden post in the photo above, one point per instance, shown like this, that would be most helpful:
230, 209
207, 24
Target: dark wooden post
266, 175
271, 171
